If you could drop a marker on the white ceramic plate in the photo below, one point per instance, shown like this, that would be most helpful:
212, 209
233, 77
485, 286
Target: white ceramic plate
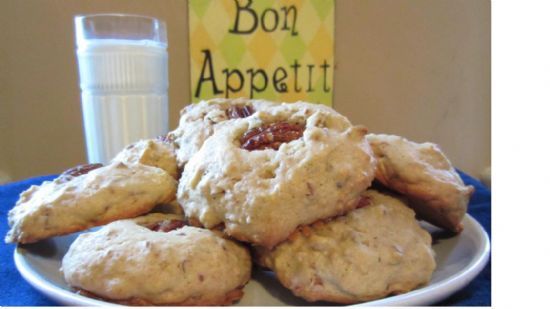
459, 260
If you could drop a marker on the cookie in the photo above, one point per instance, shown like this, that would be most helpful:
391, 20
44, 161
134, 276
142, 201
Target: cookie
423, 174
155, 260
199, 121
371, 252
261, 176
76, 202
152, 152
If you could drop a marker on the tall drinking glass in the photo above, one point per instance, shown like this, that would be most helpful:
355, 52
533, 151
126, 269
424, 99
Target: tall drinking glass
123, 68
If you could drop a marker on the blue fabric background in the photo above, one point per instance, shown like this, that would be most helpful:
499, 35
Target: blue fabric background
14, 291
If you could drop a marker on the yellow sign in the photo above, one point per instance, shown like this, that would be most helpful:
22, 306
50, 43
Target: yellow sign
275, 50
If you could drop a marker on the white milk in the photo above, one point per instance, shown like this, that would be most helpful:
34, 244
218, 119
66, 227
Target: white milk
124, 87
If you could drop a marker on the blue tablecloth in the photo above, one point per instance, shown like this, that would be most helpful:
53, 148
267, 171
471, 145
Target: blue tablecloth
14, 291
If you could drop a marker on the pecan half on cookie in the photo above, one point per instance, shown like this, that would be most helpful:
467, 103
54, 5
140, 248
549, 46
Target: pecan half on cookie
271, 136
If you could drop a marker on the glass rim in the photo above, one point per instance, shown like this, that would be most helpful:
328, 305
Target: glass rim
132, 27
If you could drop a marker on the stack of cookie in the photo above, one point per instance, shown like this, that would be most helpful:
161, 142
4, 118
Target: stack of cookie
291, 183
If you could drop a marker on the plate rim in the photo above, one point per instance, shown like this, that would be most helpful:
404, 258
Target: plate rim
423, 296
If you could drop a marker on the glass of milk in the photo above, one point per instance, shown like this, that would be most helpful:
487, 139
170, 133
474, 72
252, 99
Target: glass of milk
123, 68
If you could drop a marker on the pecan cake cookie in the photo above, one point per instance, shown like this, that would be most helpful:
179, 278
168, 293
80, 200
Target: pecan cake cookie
85, 197
156, 260
369, 253
423, 174
152, 152
199, 121
261, 176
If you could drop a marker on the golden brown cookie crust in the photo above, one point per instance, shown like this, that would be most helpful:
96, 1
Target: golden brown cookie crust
228, 299
425, 176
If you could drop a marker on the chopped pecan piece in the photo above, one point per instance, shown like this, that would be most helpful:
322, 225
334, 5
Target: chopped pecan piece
363, 201
78, 170
166, 225
271, 136
239, 111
